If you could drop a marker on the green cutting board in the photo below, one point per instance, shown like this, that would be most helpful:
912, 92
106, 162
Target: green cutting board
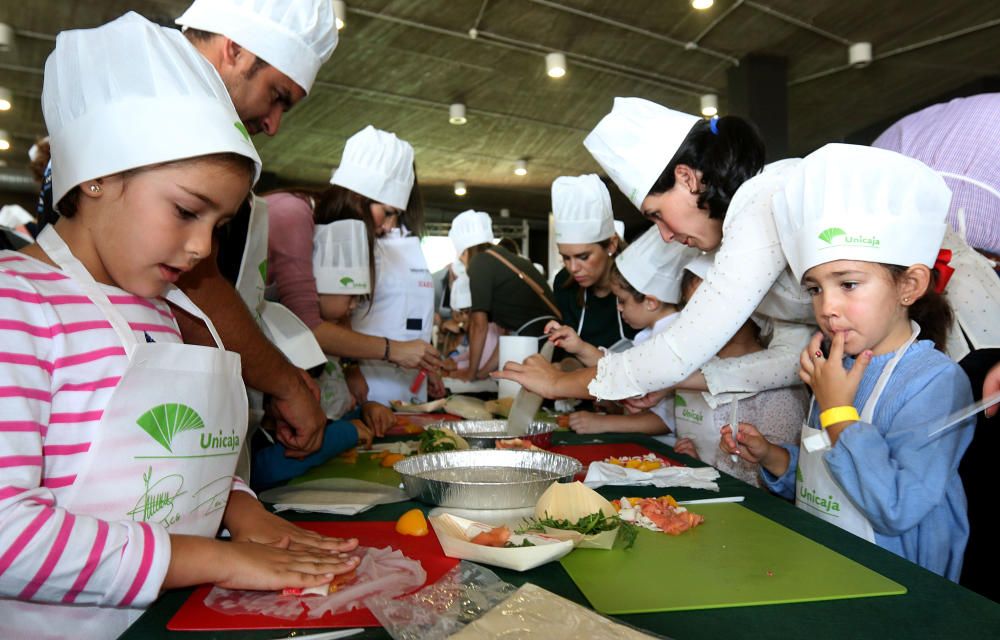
366, 468
736, 558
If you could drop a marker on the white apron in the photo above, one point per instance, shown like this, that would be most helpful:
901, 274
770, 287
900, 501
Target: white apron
334, 394
816, 491
173, 429
695, 419
622, 344
282, 327
402, 309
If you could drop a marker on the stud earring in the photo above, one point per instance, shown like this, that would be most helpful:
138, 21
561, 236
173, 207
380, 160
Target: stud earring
906, 301
95, 188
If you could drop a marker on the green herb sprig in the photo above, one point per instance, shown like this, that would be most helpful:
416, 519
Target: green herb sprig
591, 524
434, 440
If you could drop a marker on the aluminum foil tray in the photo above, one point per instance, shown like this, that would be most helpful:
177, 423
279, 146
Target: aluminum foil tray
483, 434
484, 479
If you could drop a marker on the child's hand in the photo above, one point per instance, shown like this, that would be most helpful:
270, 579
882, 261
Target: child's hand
248, 565
365, 434
990, 386
564, 337
248, 521
377, 417
586, 422
646, 402
752, 446
686, 447
831, 383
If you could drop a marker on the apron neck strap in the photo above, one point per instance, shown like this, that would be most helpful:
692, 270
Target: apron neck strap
869, 409
52, 243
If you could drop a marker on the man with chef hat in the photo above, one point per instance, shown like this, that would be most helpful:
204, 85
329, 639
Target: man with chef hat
267, 53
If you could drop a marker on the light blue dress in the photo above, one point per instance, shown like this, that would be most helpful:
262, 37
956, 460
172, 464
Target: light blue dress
907, 487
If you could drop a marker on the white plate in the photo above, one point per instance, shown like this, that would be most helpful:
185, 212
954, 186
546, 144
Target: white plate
519, 559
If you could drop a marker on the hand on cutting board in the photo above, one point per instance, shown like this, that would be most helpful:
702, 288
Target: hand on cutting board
248, 521
686, 446
378, 417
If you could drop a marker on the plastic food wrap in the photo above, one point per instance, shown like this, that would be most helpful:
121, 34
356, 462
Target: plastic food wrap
381, 572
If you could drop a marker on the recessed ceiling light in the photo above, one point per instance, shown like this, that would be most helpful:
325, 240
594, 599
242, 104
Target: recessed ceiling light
340, 11
460, 188
4, 140
701, 5
6, 99
521, 168
456, 113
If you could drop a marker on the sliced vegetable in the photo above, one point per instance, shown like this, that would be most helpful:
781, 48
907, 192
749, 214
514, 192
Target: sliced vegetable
412, 523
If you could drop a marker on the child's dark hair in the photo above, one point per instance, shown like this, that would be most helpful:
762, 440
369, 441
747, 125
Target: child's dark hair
687, 281
726, 160
931, 310
618, 279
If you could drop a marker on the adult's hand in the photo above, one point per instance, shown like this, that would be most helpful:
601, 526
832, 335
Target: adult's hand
300, 418
990, 386
643, 403
414, 354
534, 374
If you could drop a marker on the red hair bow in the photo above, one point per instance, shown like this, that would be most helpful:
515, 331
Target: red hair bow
944, 271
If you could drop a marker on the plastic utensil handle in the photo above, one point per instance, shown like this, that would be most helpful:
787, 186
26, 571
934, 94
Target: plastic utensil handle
964, 413
418, 380
734, 425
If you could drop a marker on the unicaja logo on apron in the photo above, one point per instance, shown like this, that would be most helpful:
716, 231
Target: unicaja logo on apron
837, 237
690, 414
348, 281
166, 421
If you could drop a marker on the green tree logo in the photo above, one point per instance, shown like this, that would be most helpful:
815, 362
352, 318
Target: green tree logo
828, 235
165, 421
798, 474
239, 127
347, 281
680, 401
262, 269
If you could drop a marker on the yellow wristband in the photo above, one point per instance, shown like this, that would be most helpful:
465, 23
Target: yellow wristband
837, 415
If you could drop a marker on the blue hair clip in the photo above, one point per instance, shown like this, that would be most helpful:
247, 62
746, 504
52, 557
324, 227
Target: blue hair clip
713, 124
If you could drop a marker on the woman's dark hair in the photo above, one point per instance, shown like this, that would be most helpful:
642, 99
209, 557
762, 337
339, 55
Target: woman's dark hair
569, 283
340, 203
931, 310
70, 203
41, 161
510, 245
726, 160
413, 216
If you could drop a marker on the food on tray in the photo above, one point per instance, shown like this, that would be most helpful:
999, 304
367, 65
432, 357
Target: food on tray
441, 439
350, 456
468, 408
390, 459
427, 407
573, 511
342, 580
648, 462
412, 523
500, 407
516, 443
496, 537
658, 514
563, 421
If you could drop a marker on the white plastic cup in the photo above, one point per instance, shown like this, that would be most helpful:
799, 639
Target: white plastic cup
514, 348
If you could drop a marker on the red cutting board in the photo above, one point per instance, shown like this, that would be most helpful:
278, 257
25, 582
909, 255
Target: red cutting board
587, 453
195, 616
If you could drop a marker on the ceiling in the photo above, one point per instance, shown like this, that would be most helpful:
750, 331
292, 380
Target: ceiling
400, 63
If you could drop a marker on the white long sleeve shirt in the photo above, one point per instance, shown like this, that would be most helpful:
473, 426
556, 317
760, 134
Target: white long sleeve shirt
750, 274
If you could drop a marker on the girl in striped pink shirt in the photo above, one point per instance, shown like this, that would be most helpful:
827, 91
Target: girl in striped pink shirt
118, 443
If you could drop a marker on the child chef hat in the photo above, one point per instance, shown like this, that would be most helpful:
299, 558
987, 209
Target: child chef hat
378, 165
581, 207
340, 258
461, 292
701, 264
130, 94
655, 267
635, 143
848, 202
620, 229
294, 36
470, 228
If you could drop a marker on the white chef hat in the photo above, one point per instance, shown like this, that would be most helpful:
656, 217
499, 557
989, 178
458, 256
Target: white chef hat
635, 143
655, 267
294, 36
620, 229
581, 207
34, 152
470, 228
461, 292
700, 265
340, 258
378, 165
848, 202
130, 94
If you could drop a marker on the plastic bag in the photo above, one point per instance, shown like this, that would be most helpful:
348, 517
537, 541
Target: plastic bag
438, 610
381, 572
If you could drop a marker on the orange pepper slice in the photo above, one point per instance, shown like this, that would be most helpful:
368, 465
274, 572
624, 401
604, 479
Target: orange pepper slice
412, 523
